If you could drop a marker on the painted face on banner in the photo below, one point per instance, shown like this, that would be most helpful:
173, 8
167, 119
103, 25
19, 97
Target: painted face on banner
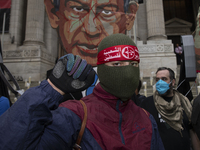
82, 24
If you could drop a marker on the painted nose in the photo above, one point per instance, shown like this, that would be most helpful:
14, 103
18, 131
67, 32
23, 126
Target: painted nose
90, 24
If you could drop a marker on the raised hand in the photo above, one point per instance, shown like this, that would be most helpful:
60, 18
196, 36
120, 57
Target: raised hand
72, 74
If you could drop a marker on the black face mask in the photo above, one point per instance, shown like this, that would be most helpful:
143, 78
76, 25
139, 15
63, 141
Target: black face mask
119, 81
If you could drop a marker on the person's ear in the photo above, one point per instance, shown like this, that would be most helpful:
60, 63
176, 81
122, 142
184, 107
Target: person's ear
50, 9
130, 16
136, 92
173, 82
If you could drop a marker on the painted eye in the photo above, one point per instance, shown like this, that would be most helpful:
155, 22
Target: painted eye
106, 12
78, 9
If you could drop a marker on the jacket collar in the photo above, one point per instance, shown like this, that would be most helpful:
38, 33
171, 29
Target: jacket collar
109, 98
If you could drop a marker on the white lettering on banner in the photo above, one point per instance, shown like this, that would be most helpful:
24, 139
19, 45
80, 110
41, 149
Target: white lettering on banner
127, 52
112, 51
112, 54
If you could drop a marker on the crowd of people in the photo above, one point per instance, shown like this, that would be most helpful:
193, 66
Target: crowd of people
38, 120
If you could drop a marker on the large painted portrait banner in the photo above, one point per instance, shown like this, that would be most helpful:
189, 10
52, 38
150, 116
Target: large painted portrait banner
82, 24
197, 42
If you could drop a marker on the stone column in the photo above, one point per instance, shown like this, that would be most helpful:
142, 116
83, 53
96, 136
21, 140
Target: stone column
136, 23
35, 22
131, 33
155, 20
50, 38
16, 21
142, 22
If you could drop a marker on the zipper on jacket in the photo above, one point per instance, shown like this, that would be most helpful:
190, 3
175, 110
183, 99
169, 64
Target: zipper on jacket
120, 122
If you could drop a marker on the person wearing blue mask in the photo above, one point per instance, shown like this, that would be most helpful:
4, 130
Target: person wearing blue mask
172, 112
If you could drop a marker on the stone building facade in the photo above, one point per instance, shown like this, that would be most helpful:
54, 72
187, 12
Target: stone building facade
32, 46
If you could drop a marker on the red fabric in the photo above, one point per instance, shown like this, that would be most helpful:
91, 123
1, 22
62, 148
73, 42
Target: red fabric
5, 4
118, 53
103, 121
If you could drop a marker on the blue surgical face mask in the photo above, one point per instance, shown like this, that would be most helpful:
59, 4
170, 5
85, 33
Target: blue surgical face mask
162, 86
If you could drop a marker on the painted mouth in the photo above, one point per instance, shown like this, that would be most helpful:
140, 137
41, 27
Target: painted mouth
90, 49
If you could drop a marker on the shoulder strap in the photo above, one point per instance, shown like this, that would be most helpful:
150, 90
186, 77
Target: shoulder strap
146, 112
78, 141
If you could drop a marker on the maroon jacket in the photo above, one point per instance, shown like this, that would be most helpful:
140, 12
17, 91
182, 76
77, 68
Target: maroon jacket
115, 124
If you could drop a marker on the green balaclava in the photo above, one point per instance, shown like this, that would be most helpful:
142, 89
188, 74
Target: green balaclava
120, 81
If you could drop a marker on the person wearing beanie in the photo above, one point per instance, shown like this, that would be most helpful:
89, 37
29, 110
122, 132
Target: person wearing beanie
105, 120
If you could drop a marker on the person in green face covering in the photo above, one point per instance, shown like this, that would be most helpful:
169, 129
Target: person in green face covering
114, 122
118, 66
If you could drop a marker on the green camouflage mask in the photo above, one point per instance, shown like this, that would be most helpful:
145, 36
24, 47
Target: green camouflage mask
120, 81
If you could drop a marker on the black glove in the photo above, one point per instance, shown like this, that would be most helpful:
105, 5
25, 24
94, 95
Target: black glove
72, 74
